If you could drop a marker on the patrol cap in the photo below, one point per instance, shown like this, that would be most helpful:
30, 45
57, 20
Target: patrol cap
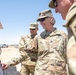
33, 25
1, 27
51, 4
44, 14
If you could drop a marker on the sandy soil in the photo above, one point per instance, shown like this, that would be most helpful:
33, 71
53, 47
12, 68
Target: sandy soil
7, 54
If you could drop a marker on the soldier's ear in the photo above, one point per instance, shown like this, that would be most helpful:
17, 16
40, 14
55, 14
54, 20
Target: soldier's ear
53, 21
37, 28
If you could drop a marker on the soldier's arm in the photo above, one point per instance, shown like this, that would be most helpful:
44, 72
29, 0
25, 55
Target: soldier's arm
22, 57
65, 47
19, 58
72, 59
35, 42
71, 48
22, 50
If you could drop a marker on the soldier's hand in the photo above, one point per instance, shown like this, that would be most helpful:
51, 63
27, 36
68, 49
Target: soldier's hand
4, 66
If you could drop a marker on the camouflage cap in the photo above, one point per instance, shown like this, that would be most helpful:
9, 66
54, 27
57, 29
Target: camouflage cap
51, 4
33, 25
1, 27
45, 13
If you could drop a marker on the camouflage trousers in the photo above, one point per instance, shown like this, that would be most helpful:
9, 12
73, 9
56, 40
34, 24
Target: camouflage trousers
27, 70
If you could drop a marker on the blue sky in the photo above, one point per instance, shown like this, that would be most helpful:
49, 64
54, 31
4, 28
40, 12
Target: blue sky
16, 16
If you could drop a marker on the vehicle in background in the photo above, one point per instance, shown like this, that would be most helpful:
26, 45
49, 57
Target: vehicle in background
3, 46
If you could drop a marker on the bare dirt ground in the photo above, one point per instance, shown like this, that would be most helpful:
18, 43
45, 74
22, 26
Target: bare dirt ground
6, 55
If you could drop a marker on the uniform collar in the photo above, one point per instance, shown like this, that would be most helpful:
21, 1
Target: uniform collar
32, 36
71, 8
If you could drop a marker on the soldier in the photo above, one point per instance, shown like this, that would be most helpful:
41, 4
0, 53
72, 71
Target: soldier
51, 45
67, 9
27, 53
28, 66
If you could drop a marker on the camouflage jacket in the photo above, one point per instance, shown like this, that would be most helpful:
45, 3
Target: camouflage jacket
51, 53
27, 52
71, 46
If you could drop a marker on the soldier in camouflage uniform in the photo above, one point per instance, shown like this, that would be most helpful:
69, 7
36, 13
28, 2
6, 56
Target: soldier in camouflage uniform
28, 66
67, 9
28, 54
51, 45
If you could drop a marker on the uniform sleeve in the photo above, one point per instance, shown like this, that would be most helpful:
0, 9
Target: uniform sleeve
19, 58
65, 47
62, 47
35, 43
72, 49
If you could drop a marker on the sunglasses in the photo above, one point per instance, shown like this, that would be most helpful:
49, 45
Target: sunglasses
55, 3
32, 29
43, 19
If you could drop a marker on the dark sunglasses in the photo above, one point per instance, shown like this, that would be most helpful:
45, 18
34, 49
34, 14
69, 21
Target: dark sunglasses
55, 3
32, 29
43, 19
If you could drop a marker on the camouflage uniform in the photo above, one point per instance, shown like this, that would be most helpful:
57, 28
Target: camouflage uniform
28, 54
71, 28
71, 46
28, 66
51, 53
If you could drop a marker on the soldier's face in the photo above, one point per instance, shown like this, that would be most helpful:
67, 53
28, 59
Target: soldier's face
46, 24
33, 31
62, 7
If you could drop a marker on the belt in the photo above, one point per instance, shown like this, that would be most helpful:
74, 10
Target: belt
33, 59
30, 51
